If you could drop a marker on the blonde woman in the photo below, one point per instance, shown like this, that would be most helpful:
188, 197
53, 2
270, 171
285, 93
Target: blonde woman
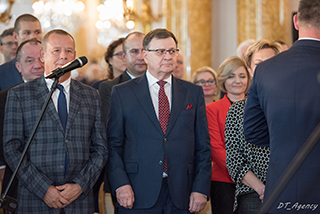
233, 79
206, 77
260, 51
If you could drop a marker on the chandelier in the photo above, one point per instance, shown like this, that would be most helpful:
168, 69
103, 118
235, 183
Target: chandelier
5, 10
64, 14
112, 23
118, 18
145, 16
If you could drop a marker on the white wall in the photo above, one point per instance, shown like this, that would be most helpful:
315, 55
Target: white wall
224, 30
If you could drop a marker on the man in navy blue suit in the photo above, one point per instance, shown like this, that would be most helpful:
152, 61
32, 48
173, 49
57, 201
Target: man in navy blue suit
159, 146
282, 110
8, 45
26, 27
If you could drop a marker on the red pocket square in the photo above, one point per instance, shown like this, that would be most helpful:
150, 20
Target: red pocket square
189, 106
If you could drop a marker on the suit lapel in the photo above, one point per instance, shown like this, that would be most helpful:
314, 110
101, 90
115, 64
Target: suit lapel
142, 92
41, 95
124, 77
75, 102
176, 103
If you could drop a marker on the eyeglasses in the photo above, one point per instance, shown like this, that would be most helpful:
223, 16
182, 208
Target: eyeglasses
118, 54
135, 51
203, 82
10, 44
161, 52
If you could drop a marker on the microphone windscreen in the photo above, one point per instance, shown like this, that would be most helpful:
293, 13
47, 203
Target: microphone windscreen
84, 60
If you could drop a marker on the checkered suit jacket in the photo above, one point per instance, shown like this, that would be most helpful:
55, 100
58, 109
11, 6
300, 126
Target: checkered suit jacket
85, 142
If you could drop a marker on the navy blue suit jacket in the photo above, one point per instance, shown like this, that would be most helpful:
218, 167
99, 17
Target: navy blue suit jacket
137, 144
9, 75
105, 89
282, 109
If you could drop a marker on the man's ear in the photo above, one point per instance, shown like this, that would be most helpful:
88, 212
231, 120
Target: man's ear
18, 66
15, 36
295, 22
42, 55
145, 56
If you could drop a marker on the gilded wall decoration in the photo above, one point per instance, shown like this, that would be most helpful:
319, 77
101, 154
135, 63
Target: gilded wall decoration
191, 22
246, 21
266, 19
199, 31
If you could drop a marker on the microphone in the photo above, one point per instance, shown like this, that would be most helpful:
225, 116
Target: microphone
77, 63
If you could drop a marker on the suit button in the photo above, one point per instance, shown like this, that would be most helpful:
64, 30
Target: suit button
160, 163
61, 167
66, 141
165, 140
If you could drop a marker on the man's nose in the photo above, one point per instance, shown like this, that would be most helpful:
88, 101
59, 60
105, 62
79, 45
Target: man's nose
140, 55
63, 55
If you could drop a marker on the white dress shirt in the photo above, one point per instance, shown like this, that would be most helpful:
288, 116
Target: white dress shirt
130, 75
154, 91
55, 95
309, 38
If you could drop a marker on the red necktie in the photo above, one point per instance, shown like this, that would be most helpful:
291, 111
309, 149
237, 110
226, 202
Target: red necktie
164, 114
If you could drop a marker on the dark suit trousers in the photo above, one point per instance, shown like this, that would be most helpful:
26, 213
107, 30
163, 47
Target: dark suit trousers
164, 204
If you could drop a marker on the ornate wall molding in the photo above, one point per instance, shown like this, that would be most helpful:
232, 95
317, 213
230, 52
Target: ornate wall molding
266, 19
191, 22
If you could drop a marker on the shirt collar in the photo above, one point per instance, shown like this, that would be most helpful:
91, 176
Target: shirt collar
65, 84
130, 75
152, 80
309, 38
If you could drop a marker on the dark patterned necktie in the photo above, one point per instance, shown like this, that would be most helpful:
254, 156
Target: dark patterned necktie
164, 114
62, 107
63, 114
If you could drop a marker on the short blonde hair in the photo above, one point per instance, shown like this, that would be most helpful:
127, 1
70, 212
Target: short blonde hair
213, 73
226, 68
203, 70
259, 45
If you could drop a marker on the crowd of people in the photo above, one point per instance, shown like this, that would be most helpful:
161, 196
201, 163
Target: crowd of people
159, 143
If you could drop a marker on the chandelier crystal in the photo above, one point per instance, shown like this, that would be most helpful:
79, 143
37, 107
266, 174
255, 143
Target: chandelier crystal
112, 24
67, 15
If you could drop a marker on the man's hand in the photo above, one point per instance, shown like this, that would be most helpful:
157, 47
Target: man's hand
125, 196
70, 192
198, 202
54, 199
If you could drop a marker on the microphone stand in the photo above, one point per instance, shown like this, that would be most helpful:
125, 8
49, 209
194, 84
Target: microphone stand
292, 168
6, 202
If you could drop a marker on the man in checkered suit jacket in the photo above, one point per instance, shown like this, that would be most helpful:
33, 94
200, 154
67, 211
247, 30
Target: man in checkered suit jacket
61, 166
